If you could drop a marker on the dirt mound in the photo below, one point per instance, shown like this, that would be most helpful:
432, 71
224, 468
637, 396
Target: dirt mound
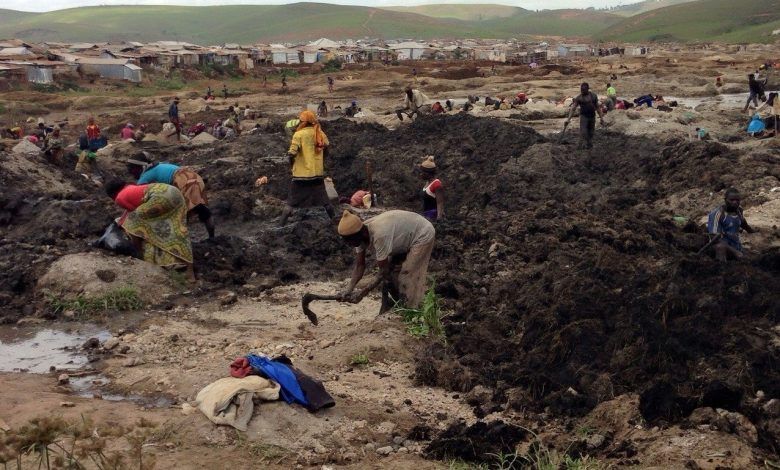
96, 274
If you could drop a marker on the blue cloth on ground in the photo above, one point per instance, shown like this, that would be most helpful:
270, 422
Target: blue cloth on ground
756, 125
159, 173
291, 390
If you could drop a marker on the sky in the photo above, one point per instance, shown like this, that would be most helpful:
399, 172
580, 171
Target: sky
26, 5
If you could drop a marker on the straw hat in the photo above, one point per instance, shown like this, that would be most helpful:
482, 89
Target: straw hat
350, 224
428, 163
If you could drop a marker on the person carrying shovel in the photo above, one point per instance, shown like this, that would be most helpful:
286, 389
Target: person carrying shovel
397, 238
588, 103
414, 99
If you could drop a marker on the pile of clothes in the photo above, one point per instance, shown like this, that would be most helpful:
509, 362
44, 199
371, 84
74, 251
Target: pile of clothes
230, 400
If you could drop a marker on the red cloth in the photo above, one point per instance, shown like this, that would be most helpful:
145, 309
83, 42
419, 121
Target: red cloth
127, 133
357, 199
240, 368
93, 132
131, 196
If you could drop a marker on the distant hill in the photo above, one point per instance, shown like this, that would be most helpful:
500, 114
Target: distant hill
476, 12
580, 23
703, 20
643, 7
294, 22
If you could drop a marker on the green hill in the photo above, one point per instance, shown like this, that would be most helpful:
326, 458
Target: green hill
703, 20
294, 22
466, 12
553, 23
643, 7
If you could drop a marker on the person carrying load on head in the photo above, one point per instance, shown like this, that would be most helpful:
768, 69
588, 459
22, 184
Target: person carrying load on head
724, 224
186, 180
307, 152
156, 221
402, 243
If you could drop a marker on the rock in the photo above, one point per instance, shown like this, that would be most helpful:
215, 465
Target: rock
369, 447
128, 338
403, 450
63, 379
67, 404
25, 147
479, 395
326, 343
73, 275
203, 138
91, 343
228, 298
386, 427
398, 440
386, 450
740, 425
772, 407
595, 441
69, 314
319, 448
133, 361
111, 343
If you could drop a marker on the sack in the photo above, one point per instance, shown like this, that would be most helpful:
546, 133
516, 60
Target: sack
115, 239
756, 125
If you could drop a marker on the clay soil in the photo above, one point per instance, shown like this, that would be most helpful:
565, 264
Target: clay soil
580, 319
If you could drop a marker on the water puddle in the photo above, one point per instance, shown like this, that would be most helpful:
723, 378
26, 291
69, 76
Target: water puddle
38, 350
42, 351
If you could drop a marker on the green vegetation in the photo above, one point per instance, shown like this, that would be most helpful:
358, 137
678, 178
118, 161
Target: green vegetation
293, 22
121, 299
703, 20
175, 82
425, 321
463, 12
332, 66
643, 7
360, 359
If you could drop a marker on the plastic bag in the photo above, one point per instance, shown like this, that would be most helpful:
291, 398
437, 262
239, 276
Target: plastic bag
115, 239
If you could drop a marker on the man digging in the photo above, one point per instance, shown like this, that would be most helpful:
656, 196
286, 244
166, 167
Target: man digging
399, 239
588, 103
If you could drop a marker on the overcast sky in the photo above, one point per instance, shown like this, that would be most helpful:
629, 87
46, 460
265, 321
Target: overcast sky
27, 5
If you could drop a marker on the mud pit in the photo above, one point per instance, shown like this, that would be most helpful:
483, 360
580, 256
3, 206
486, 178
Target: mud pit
568, 282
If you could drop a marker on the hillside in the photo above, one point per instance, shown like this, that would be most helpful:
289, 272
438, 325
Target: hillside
239, 23
464, 12
554, 23
643, 7
293, 22
703, 20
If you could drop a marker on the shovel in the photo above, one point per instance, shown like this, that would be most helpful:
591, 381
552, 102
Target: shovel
309, 297
563, 132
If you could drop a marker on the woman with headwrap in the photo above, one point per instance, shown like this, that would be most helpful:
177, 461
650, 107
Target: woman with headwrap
432, 192
307, 156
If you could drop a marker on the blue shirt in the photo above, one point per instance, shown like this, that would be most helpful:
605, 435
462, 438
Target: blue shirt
720, 221
160, 173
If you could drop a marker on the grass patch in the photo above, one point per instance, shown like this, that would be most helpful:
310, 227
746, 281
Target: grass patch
266, 454
425, 321
175, 82
360, 359
121, 299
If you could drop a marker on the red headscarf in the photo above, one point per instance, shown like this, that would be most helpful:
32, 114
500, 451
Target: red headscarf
308, 118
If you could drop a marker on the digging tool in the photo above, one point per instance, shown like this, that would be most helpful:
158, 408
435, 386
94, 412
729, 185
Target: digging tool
309, 297
370, 177
714, 240
563, 132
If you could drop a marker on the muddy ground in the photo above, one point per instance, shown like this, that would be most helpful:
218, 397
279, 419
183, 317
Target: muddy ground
579, 314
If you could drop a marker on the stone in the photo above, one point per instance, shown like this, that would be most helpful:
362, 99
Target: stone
403, 450
228, 298
133, 361
479, 395
111, 343
67, 404
319, 448
63, 379
386, 450
326, 343
772, 407
25, 147
91, 343
369, 447
740, 425
398, 440
595, 441
386, 427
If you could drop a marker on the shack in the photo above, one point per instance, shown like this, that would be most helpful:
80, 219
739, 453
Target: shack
116, 69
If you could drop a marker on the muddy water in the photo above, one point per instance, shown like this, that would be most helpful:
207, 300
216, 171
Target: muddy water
38, 350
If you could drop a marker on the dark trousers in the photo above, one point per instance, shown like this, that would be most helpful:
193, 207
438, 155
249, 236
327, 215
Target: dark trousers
587, 129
